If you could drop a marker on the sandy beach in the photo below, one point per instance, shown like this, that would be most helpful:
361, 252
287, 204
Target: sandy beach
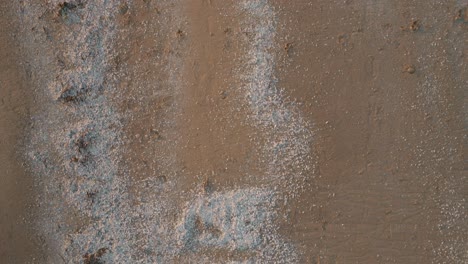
253, 131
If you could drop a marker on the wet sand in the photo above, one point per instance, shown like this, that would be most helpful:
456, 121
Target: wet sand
17, 243
245, 131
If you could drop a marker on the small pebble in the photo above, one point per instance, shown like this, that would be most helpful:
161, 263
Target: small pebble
410, 69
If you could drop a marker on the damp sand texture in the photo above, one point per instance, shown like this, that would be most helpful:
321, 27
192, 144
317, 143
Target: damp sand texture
252, 131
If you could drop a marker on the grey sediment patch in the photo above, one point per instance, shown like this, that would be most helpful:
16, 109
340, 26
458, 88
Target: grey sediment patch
288, 136
75, 138
76, 145
229, 220
237, 222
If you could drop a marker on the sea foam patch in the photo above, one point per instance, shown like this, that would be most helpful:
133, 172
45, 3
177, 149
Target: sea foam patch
232, 220
241, 223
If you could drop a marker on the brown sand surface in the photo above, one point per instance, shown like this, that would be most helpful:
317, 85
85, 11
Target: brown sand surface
256, 131
391, 143
17, 244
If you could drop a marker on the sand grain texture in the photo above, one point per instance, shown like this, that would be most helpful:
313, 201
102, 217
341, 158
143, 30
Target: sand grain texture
253, 131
